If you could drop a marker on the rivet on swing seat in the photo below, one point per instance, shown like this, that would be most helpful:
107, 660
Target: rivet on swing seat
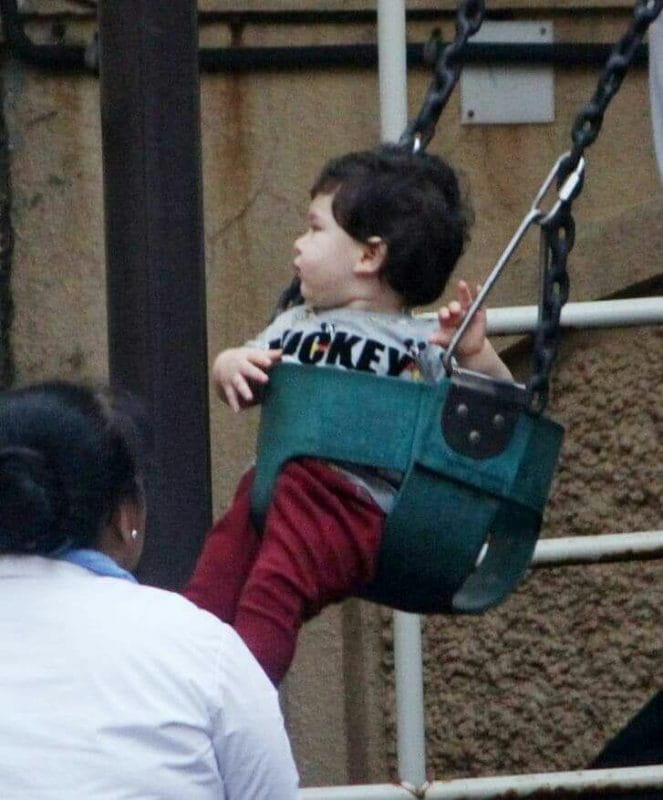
477, 469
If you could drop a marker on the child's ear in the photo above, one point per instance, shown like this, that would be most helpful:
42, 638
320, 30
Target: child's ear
372, 257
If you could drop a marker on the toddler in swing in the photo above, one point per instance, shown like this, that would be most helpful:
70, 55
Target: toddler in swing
385, 229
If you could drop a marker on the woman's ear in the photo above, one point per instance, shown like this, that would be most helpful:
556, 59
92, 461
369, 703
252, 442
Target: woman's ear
123, 537
372, 257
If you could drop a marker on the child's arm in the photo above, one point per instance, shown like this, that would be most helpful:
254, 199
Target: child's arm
234, 371
474, 351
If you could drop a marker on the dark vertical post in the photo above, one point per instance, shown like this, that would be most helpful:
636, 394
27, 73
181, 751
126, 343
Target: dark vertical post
150, 115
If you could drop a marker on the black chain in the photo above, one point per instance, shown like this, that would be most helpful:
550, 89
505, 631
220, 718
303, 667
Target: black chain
290, 296
558, 230
558, 237
420, 131
588, 123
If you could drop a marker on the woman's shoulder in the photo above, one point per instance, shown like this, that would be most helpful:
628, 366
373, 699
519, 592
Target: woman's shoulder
168, 608
168, 626
145, 614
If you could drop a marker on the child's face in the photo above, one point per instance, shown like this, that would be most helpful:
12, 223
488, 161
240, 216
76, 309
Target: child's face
326, 257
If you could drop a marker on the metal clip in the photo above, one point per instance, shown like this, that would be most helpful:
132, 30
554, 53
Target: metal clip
568, 189
534, 216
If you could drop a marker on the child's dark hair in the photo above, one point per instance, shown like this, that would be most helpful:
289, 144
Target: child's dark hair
69, 454
413, 202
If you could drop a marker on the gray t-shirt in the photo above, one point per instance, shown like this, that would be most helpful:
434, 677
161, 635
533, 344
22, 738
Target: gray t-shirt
368, 341
394, 345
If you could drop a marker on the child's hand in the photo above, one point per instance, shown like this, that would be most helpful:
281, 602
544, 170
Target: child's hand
474, 351
450, 318
235, 369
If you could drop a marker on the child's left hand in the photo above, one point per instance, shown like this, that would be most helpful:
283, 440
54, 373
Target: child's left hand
450, 318
474, 351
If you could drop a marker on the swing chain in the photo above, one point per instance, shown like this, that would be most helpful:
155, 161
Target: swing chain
557, 234
588, 123
290, 296
420, 131
558, 227
557, 238
556, 241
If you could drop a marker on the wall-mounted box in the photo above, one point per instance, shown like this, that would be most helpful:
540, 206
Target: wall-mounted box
508, 93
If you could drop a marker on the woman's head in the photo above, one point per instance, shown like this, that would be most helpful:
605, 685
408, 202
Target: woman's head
70, 456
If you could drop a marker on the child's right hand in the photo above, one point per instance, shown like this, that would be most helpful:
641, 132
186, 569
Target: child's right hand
235, 369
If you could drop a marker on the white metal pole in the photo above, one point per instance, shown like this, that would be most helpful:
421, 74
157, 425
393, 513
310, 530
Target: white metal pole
596, 314
408, 661
602, 549
392, 68
592, 314
409, 678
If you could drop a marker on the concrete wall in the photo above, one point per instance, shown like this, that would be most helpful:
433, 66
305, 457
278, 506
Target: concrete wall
265, 135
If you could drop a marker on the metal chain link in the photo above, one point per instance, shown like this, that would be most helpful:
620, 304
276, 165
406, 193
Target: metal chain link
420, 131
556, 244
290, 296
588, 122
558, 229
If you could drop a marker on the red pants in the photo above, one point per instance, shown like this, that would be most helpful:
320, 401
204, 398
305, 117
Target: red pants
319, 546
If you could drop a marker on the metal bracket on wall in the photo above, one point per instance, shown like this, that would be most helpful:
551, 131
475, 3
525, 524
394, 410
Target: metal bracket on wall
517, 93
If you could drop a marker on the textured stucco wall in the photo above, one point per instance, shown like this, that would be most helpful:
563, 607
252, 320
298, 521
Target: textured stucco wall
542, 682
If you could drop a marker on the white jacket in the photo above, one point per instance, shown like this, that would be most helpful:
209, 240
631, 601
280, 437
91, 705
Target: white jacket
110, 690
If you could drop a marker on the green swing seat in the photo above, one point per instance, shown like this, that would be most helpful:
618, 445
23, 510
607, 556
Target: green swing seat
476, 465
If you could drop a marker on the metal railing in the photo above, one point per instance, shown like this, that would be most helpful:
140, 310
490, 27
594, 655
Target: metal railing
550, 784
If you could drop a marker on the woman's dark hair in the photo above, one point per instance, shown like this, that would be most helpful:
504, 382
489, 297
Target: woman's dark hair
68, 455
413, 202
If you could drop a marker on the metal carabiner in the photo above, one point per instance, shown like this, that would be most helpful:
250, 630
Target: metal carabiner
534, 216
568, 190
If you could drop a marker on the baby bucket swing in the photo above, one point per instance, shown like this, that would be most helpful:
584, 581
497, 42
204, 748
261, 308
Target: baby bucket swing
477, 455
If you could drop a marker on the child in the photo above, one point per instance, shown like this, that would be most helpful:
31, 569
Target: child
385, 229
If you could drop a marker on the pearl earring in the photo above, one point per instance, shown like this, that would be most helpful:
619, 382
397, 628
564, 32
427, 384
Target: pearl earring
134, 534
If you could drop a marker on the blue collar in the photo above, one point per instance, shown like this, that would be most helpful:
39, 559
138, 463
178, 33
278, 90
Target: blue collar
95, 561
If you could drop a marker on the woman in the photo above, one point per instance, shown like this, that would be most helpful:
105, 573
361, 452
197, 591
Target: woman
109, 689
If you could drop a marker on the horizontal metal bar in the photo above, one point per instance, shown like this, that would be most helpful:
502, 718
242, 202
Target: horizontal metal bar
550, 784
365, 55
594, 314
601, 549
